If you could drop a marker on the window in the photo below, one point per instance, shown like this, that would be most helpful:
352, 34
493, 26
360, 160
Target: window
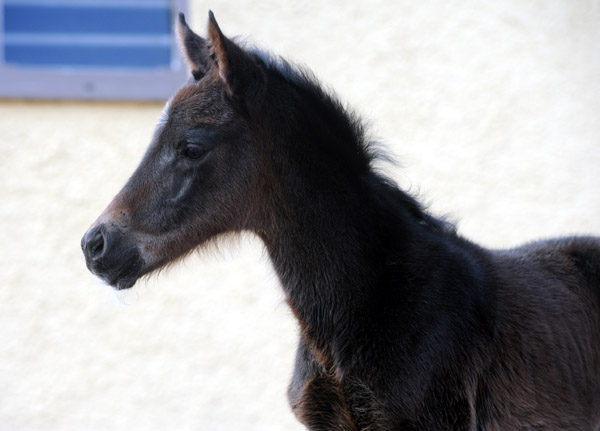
90, 49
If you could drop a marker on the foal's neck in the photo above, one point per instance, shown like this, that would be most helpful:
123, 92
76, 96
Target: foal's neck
338, 234
332, 253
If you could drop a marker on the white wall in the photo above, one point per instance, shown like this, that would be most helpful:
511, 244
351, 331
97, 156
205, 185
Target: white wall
491, 108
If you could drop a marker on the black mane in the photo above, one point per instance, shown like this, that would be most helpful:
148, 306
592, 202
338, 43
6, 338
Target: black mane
360, 151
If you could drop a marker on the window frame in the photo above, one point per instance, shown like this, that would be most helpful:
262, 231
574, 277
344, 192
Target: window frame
93, 83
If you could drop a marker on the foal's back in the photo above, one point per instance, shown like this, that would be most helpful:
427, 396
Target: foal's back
547, 357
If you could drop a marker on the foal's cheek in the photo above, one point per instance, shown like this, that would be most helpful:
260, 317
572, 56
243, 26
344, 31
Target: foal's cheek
179, 189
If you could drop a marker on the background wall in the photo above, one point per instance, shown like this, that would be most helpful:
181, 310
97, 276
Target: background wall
491, 108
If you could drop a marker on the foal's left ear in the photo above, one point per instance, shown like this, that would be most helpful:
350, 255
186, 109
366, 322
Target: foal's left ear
195, 49
234, 66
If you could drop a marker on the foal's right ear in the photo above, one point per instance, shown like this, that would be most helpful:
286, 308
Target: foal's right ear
195, 49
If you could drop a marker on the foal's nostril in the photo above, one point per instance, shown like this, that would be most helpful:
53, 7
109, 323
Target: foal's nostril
93, 243
97, 244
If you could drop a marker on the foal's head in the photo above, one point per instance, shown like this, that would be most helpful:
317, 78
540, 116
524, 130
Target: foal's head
247, 143
197, 178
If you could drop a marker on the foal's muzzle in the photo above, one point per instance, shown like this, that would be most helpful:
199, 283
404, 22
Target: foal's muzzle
112, 256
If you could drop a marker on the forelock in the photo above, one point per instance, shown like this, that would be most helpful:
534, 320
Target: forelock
200, 102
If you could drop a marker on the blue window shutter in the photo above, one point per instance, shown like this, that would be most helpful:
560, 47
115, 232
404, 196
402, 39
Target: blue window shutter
87, 34
91, 36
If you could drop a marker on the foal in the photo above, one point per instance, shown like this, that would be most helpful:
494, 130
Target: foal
404, 324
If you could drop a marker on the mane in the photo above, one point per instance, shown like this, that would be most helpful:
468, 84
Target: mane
360, 149
329, 105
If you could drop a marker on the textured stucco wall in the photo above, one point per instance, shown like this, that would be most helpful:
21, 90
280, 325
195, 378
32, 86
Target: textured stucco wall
491, 108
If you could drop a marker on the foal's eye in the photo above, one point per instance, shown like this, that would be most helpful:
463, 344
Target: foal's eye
193, 152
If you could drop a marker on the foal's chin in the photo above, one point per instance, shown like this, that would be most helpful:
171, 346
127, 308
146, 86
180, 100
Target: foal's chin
124, 283
122, 274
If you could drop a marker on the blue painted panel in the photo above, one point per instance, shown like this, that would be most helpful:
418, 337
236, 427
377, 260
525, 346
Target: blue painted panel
113, 56
88, 49
87, 34
71, 19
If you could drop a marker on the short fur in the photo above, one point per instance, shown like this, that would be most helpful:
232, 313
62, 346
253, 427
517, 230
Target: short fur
405, 325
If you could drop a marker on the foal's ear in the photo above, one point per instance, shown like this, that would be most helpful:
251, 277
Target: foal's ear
195, 49
232, 63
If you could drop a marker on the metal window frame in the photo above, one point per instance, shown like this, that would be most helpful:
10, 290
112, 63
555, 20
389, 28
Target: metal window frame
92, 83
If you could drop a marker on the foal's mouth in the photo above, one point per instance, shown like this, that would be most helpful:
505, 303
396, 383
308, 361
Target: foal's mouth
111, 257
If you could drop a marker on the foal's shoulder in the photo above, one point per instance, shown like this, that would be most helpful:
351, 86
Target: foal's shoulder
577, 256
584, 253
570, 247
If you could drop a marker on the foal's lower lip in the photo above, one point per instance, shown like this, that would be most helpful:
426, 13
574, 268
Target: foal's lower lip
124, 284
